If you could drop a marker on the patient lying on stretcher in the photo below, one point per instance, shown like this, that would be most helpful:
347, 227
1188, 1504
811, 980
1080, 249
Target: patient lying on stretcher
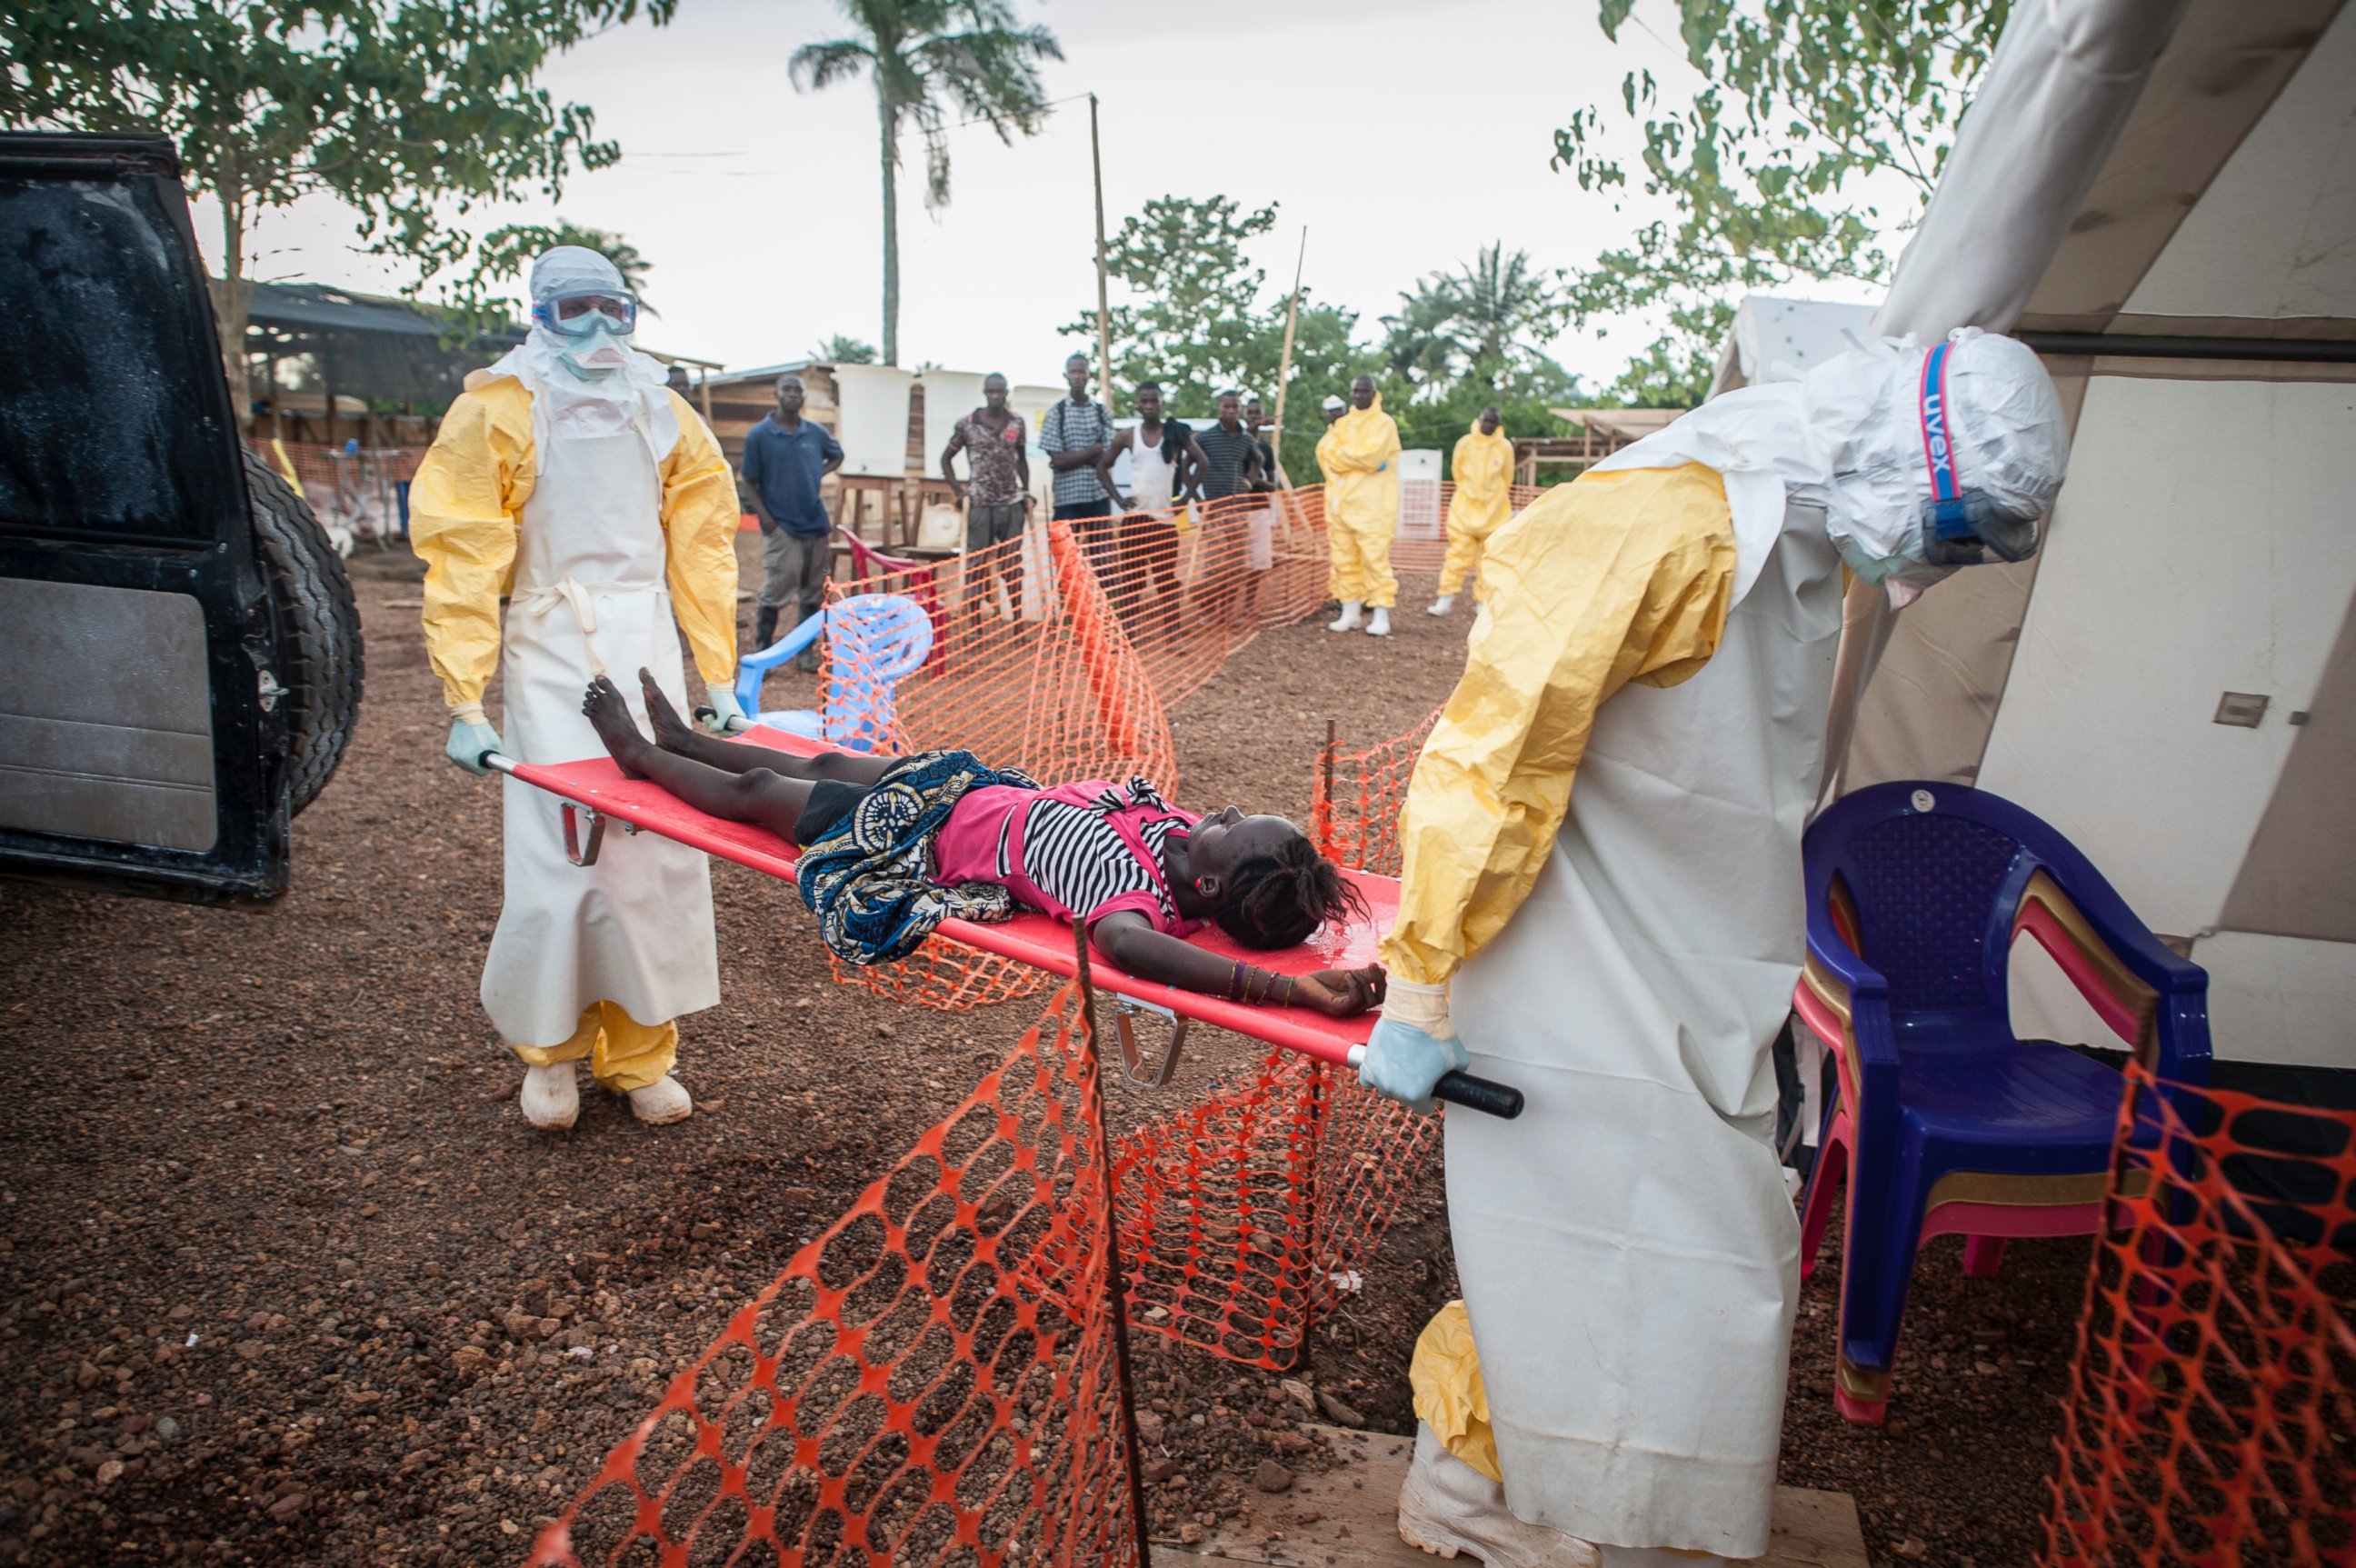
892, 846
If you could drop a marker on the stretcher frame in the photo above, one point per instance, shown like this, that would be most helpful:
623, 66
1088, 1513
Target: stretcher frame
595, 792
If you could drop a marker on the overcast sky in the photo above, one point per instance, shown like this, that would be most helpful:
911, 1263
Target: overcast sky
1403, 134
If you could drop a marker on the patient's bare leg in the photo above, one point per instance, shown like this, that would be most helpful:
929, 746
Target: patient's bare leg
759, 795
674, 733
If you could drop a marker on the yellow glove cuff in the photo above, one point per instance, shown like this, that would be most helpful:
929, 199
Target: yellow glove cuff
472, 712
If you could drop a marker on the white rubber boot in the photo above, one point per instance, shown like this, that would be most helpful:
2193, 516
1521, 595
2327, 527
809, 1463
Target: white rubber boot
1381, 624
661, 1103
1348, 619
1442, 605
1448, 1507
550, 1099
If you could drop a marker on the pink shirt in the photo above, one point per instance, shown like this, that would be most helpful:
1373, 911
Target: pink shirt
1091, 846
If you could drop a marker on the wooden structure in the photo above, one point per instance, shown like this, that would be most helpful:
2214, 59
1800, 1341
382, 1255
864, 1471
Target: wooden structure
1595, 435
883, 510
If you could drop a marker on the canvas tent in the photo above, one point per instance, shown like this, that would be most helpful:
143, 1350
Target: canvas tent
2162, 197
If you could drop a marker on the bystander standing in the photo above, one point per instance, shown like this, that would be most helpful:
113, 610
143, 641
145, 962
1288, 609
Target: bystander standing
997, 500
785, 456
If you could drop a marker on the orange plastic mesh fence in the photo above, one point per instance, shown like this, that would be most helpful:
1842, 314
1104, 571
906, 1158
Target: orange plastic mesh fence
1245, 1216
2211, 1406
1354, 809
907, 1391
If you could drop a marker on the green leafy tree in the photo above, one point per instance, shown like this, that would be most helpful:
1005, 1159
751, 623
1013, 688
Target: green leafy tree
1823, 126
925, 58
411, 112
842, 349
1200, 320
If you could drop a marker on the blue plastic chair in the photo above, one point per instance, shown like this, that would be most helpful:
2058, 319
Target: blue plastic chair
1915, 894
873, 641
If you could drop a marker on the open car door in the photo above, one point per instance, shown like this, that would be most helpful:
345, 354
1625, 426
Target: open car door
182, 653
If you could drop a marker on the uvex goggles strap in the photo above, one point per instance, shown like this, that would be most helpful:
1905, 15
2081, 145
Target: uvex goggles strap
1938, 447
1960, 527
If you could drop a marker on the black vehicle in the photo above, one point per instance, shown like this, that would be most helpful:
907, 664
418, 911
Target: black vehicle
179, 652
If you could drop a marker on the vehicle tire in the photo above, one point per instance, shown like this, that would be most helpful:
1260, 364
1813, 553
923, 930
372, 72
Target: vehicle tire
319, 654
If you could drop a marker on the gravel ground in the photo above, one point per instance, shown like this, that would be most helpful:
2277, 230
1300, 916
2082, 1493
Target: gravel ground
283, 1279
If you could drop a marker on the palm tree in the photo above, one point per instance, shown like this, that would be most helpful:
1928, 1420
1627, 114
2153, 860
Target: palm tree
1501, 303
926, 56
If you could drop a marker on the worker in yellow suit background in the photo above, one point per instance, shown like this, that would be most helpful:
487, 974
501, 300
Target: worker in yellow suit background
1359, 453
1483, 467
568, 479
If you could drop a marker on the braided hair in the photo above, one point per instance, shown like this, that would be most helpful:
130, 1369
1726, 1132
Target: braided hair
1276, 901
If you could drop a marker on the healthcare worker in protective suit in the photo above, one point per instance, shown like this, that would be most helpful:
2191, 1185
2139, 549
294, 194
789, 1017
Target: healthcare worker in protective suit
1483, 467
1359, 453
568, 479
1602, 905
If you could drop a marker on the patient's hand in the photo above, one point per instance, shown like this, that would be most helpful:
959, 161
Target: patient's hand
1342, 993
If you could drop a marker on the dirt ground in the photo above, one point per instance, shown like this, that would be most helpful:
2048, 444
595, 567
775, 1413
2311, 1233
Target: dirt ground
283, 1278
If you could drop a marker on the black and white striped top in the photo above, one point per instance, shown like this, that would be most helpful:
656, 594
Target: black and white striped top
1073, 855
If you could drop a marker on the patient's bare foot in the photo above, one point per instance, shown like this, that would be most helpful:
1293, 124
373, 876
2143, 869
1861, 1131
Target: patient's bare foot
610, 716
671, 731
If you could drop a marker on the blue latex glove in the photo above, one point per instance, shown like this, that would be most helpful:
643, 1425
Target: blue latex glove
469, 738
1414, 1047
726, 716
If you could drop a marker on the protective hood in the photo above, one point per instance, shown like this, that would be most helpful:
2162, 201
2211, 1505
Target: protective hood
1871, 421
590, 386
1849, 437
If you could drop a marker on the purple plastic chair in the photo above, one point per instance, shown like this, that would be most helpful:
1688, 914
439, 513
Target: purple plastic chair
1915, 894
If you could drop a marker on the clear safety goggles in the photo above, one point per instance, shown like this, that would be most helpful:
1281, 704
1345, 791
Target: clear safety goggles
1960, 527
577, 314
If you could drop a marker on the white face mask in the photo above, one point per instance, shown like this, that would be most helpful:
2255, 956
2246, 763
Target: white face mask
596, 353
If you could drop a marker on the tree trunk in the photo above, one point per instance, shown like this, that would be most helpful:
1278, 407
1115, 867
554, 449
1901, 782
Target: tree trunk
890, 127
235, 302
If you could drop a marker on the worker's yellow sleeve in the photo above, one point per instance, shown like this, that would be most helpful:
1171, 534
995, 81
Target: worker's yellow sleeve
699, 516
465, 506
1360, 441
1622, 575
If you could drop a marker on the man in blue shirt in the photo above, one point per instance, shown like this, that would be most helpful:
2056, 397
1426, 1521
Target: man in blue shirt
785, 456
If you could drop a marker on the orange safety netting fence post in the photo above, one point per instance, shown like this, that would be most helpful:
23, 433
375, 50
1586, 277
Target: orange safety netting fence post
2211, 1407
940, 1379
1353, 808
1244, 1216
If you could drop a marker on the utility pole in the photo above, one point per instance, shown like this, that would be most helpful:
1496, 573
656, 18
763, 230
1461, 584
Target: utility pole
1103, 309
1284, 363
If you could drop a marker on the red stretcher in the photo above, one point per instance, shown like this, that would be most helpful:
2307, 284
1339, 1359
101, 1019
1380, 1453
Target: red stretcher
595, 792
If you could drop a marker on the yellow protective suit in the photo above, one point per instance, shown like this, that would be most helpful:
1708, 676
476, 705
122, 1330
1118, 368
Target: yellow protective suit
1482, 467
1622, 951
623, 1053
1618, 576
1449, 1397
466, 505
1359, 453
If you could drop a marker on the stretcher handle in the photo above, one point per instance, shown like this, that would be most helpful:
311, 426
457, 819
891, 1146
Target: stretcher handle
1484, 1095
497, 762
705, 712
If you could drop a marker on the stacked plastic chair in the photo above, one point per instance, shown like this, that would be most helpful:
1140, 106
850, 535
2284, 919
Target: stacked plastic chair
1943, 1122
874, 642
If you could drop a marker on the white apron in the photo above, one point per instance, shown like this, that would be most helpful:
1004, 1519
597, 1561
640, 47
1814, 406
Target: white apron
1629, 1255
635, 927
